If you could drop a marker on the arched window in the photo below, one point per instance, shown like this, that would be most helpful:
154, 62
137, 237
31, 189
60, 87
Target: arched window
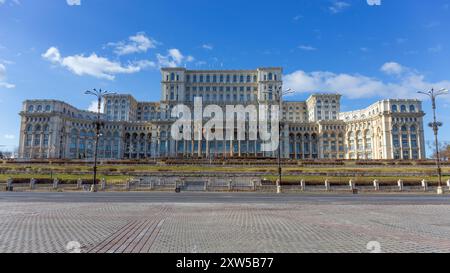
47, 108
404, 129
395, 129
30, 108
412, 108
270, 76
37, 128
394, 108
29, 128
172, 76
403, 108
413, 128
39, 108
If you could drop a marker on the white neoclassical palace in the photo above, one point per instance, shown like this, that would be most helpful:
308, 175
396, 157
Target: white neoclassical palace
311, 129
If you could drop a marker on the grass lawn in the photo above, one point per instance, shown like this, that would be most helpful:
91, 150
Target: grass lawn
345, 180
290, 173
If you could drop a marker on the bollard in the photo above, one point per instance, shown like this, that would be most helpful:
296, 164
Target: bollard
425, 185
103, 184
230, 185
254, 185
376, 185
327, 185
151, 185
448, 184
400, 185
79, 184
9, 183
55, 183
352, 185
302, 185
278, 186
205, 186
127, 185
32, 183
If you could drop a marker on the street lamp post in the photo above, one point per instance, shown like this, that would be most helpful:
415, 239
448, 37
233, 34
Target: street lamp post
435, 125
279, 100
99, 94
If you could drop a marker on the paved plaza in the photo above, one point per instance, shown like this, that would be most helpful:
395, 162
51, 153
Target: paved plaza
231, 222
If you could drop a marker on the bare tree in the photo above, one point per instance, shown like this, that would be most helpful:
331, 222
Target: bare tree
444, 150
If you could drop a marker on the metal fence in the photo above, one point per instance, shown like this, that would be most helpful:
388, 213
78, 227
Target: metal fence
220, 184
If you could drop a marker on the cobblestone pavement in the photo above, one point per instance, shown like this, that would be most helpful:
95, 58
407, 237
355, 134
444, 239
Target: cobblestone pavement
190, 228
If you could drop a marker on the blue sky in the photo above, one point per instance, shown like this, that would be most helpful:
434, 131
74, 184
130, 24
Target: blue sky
60, 48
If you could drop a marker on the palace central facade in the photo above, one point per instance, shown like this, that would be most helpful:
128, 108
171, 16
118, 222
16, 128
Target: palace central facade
311, 129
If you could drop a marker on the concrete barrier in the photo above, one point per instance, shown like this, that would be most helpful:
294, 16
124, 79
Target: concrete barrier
376, 185
400, 185
32, 184
425, 185
327, 185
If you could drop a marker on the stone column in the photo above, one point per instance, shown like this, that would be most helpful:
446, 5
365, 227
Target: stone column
103, 184
425, 185
400, 185
55, 183
302, 185
376, 185
32, 184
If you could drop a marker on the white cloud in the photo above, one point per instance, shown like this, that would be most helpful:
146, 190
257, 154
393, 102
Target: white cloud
392, 68
307, 47
93, 107
357, 86
93, 65
173, 58
338, 6
297, 17
436, 49
73, 2
208, 46
9, 136
138, 43
3, 83
11, 2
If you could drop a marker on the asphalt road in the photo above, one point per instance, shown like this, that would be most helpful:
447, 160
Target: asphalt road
226, 198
